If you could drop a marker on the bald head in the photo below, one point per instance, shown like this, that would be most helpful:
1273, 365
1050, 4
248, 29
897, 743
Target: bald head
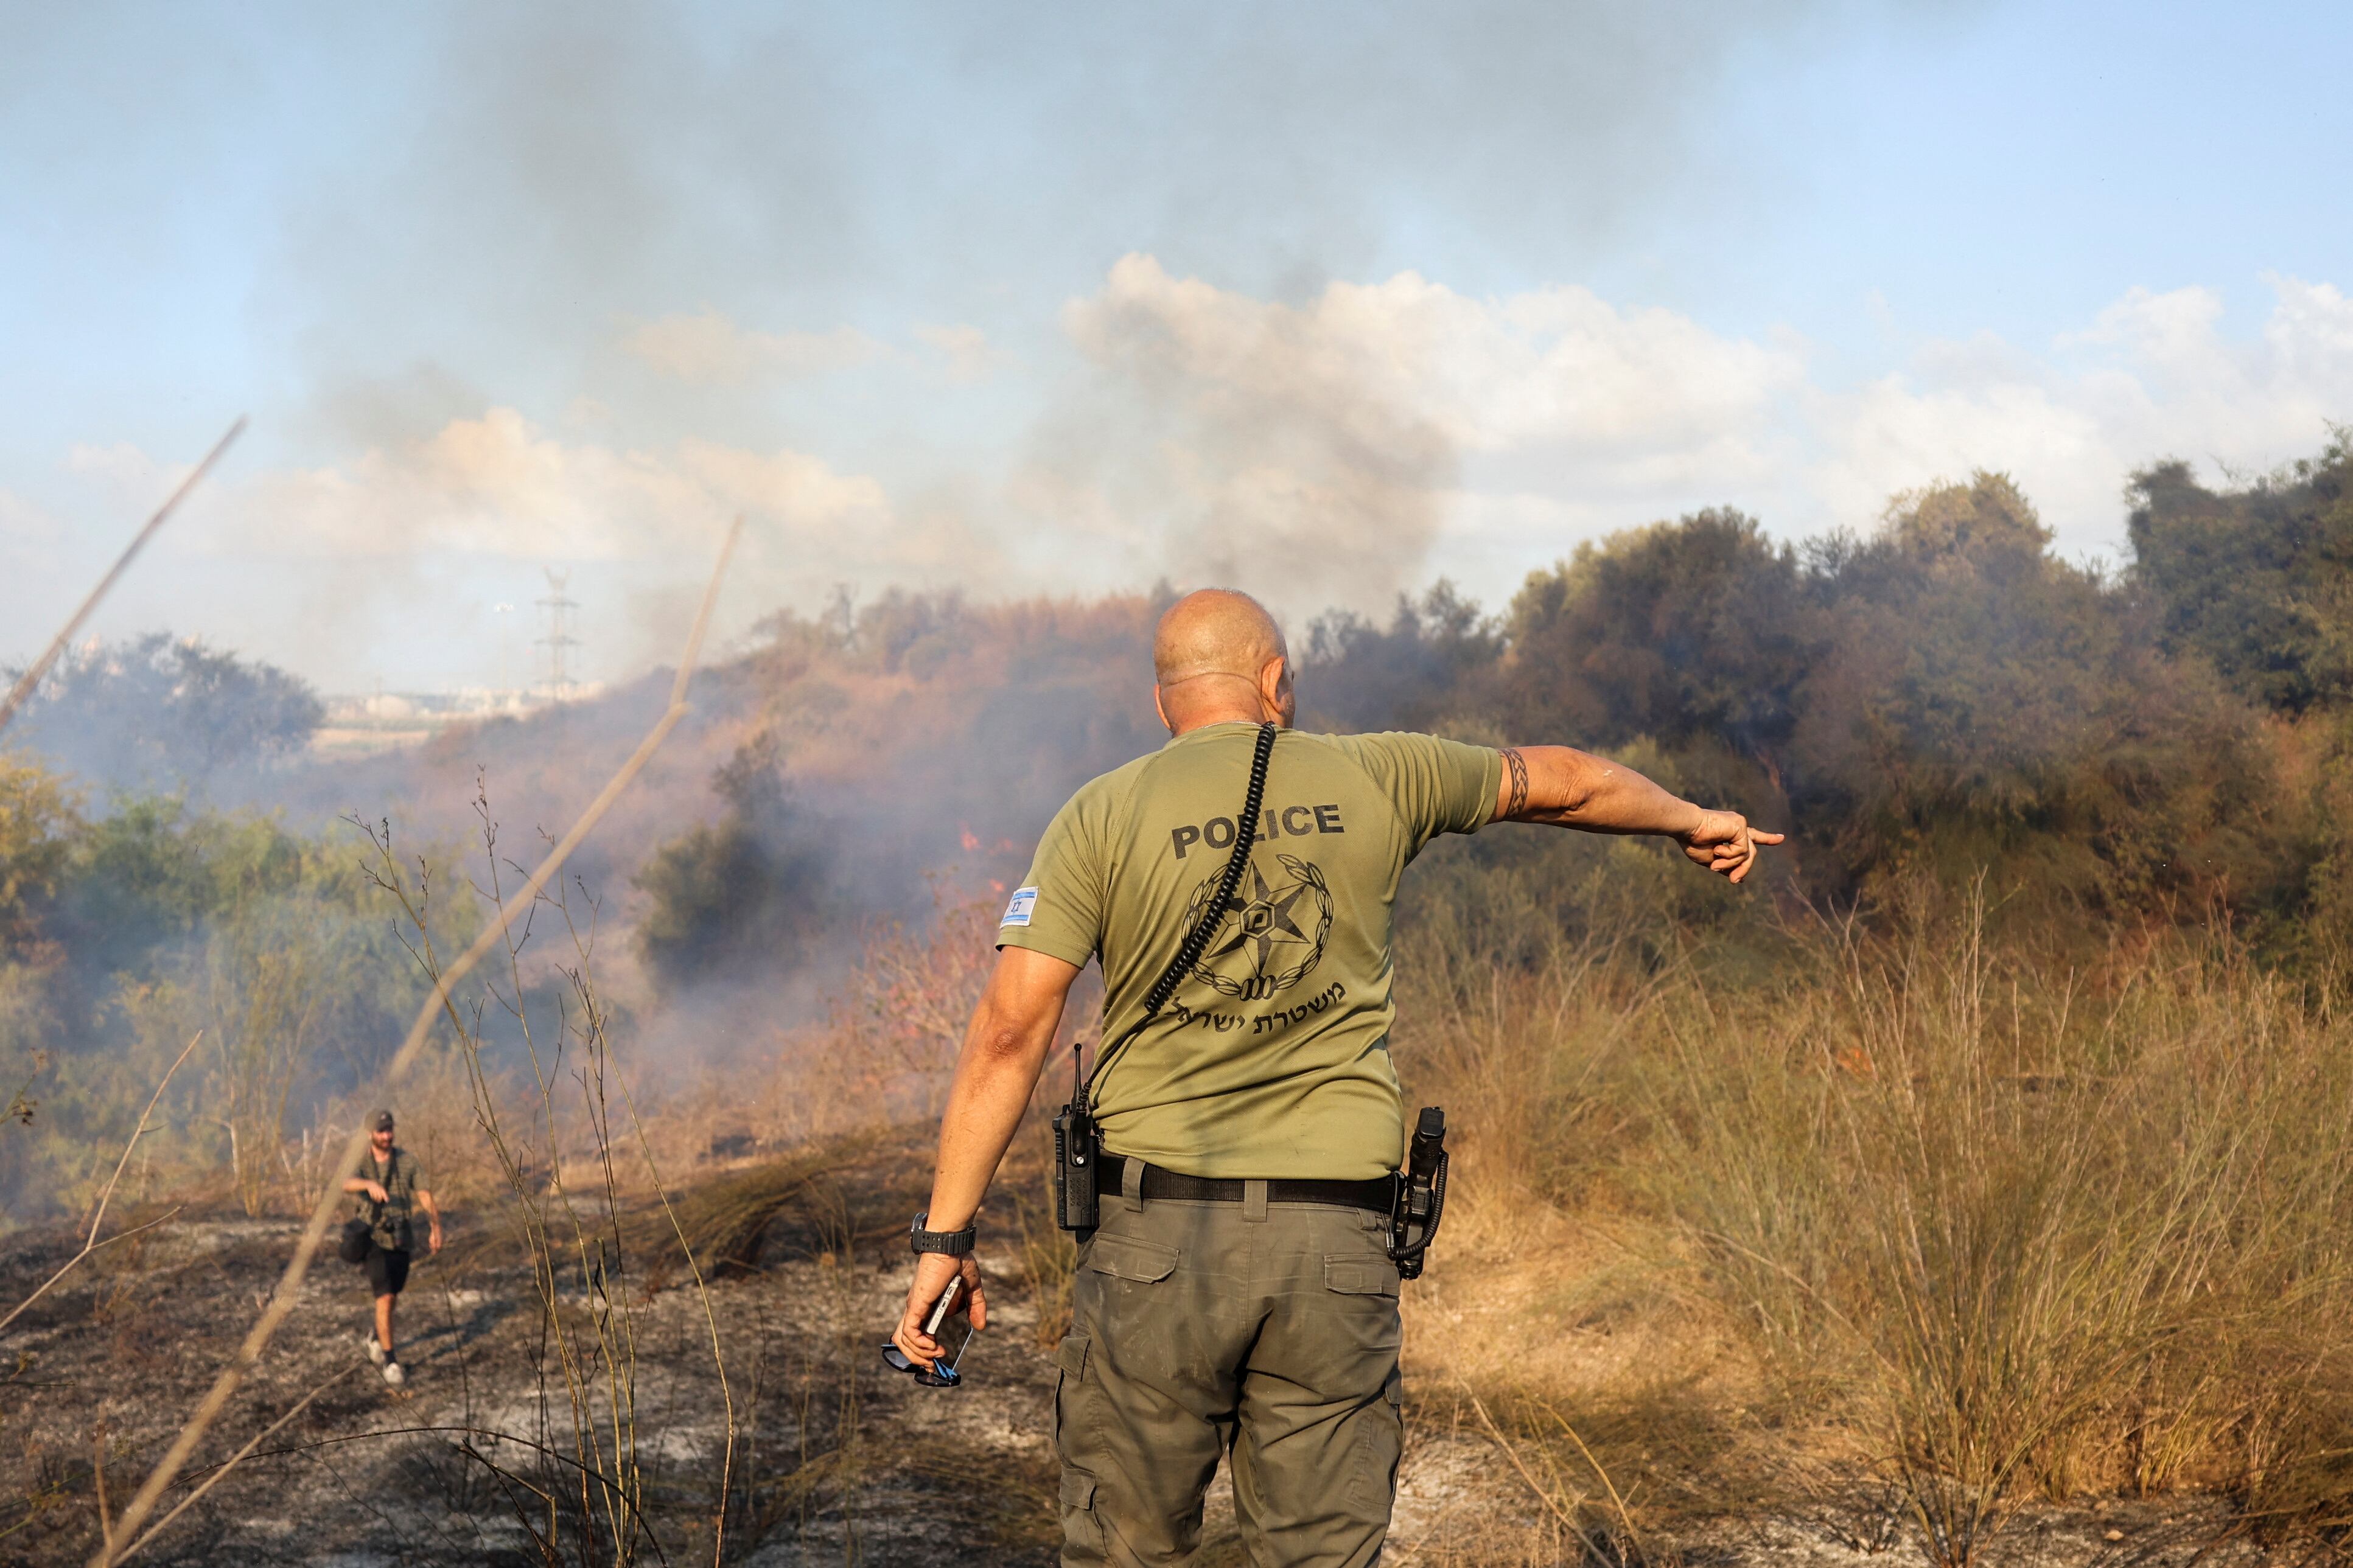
1218, 656
1215, 631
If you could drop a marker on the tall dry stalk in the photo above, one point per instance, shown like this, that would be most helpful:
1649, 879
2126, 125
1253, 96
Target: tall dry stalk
143, 1504
30, 681
1968, 1224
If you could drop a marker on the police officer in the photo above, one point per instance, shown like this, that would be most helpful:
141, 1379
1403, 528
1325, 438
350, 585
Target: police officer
1237, 1293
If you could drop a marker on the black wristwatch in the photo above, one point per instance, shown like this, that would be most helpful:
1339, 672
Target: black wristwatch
954, 1243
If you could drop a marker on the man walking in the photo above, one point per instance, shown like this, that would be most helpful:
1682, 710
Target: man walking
1237, 1292
390, 1186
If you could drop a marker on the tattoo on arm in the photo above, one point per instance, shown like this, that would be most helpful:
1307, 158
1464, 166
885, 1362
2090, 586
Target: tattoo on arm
1517, 801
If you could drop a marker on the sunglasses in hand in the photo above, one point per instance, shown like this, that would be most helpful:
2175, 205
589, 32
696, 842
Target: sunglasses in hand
942, 1373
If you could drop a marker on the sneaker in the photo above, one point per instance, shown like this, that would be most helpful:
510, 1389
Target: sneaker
374, 1351
393, 1374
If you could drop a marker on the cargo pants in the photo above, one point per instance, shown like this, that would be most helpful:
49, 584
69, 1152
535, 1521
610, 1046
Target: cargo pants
1267, 1330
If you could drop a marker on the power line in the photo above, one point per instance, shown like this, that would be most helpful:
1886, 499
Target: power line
557, 615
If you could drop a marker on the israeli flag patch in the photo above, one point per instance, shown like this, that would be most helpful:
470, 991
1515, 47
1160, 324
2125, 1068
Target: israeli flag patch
1017, 912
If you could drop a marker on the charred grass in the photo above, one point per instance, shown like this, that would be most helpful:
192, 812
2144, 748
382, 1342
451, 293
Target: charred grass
834, 1463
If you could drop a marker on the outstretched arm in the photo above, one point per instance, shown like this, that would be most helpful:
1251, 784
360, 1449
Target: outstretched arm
1568, 788
1004, 1051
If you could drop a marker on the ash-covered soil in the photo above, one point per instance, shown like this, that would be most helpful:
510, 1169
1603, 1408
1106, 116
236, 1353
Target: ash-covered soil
477, 1460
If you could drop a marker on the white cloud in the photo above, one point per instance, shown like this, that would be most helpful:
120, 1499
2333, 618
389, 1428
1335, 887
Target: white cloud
2154, 376
498, 485
1317, 452
1380, 432
483, 499
708, 349
1553, 366
407, 538
22, 523
2312, 325
965, 350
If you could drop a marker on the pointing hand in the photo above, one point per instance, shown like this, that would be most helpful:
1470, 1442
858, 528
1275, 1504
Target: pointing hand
1725, 844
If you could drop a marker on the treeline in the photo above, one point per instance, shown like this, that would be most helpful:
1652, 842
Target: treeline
132, 915
1940, 698
1946, 696
156, 715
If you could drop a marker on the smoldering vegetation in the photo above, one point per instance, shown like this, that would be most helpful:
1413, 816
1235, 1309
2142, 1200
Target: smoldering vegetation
1973, 1185
840, 781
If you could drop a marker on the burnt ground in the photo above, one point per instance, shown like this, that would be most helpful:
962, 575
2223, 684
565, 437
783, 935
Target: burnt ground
838, 1461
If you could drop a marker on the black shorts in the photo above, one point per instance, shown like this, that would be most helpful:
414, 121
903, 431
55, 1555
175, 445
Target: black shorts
387, 1271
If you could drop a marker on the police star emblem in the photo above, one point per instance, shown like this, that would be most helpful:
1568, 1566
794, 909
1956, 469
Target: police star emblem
1276, 928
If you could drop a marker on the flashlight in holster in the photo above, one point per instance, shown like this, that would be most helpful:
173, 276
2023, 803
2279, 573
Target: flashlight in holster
1420, 1199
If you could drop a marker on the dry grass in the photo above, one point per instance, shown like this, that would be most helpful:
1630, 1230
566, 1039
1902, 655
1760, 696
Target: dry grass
724, 1222
1966, 1222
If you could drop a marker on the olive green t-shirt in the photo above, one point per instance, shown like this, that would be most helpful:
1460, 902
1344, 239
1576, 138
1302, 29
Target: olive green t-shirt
402, 1179
1272, 1059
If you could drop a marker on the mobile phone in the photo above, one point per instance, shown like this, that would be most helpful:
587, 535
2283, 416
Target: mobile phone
943, 1373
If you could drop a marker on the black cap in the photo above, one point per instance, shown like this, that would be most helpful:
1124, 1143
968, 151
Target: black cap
380, 1122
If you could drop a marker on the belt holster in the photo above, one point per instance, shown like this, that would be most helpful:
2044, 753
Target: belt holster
1420, 1194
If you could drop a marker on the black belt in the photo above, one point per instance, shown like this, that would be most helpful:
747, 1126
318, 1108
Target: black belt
1378, 1195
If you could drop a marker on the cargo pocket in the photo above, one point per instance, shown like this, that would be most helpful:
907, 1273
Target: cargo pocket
1376, 1448
1362, 1333
1127, 1258
1083, 1534
1383, 1445
1360, 1276
1071, 1359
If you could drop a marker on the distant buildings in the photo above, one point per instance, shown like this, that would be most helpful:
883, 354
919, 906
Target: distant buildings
361, 725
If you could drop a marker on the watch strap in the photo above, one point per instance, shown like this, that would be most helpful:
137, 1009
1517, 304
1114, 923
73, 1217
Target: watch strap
954, 1243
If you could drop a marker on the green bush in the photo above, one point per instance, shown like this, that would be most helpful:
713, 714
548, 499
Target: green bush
124, 934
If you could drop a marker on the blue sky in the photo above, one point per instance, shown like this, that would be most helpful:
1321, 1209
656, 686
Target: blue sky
1330, 300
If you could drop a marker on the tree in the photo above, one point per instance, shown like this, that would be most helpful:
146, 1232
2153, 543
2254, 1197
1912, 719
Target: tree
2259, 580
157, 714
1361, 675
1980, 703
1699, 629
38, 821
742, 890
